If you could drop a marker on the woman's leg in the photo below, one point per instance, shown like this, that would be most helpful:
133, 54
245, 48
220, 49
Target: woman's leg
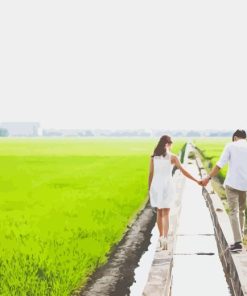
165, 221
159, 221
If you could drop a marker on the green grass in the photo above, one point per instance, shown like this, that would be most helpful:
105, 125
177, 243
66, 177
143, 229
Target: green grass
63, 204
211, 149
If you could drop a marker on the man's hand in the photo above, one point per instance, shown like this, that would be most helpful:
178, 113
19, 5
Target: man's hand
204, 182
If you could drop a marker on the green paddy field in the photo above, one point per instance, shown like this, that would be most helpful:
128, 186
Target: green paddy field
63, 204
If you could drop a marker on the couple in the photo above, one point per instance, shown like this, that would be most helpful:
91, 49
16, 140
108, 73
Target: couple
162, 190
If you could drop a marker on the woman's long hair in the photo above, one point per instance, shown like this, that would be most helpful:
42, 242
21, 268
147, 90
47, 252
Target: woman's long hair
160, 149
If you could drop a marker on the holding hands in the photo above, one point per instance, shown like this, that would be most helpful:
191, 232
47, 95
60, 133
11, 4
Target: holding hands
204, 181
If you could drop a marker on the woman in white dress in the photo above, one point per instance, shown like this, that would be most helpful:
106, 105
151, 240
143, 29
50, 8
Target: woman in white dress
161, 187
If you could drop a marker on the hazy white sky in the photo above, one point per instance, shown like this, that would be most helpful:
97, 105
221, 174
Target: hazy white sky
124, 64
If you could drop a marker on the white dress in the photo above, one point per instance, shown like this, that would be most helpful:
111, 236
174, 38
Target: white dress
162, 191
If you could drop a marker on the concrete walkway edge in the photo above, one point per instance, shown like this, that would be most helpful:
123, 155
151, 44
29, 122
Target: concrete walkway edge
235, 264
160, 275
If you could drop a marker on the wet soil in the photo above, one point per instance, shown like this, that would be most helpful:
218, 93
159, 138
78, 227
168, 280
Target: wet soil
117, 275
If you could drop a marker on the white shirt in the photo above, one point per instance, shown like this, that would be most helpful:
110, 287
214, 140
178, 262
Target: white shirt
236, 154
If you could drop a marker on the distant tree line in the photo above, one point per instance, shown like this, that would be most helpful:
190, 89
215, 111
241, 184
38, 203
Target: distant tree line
3, 132
127, 133
135, 133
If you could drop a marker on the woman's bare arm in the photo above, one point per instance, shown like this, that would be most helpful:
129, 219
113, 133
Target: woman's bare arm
178, 164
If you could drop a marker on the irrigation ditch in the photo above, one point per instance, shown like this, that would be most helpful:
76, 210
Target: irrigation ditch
116, 276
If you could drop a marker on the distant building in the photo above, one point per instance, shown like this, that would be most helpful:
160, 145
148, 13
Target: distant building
22, 129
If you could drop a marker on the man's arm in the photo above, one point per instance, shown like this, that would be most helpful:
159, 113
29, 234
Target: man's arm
213, 173
225, 157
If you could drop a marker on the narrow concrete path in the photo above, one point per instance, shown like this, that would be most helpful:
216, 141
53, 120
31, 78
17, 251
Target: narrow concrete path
191, 265
197, 269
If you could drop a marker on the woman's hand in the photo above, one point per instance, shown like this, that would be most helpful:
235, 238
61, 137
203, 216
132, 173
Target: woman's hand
199, 182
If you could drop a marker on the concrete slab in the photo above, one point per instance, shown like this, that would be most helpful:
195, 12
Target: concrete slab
196, 244
198, 275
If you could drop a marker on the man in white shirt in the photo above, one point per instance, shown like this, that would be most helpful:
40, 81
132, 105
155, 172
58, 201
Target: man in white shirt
235, 184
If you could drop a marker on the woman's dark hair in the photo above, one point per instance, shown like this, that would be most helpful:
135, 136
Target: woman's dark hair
160, 149
240, 134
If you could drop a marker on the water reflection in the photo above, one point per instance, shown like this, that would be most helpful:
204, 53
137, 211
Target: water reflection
142, 271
